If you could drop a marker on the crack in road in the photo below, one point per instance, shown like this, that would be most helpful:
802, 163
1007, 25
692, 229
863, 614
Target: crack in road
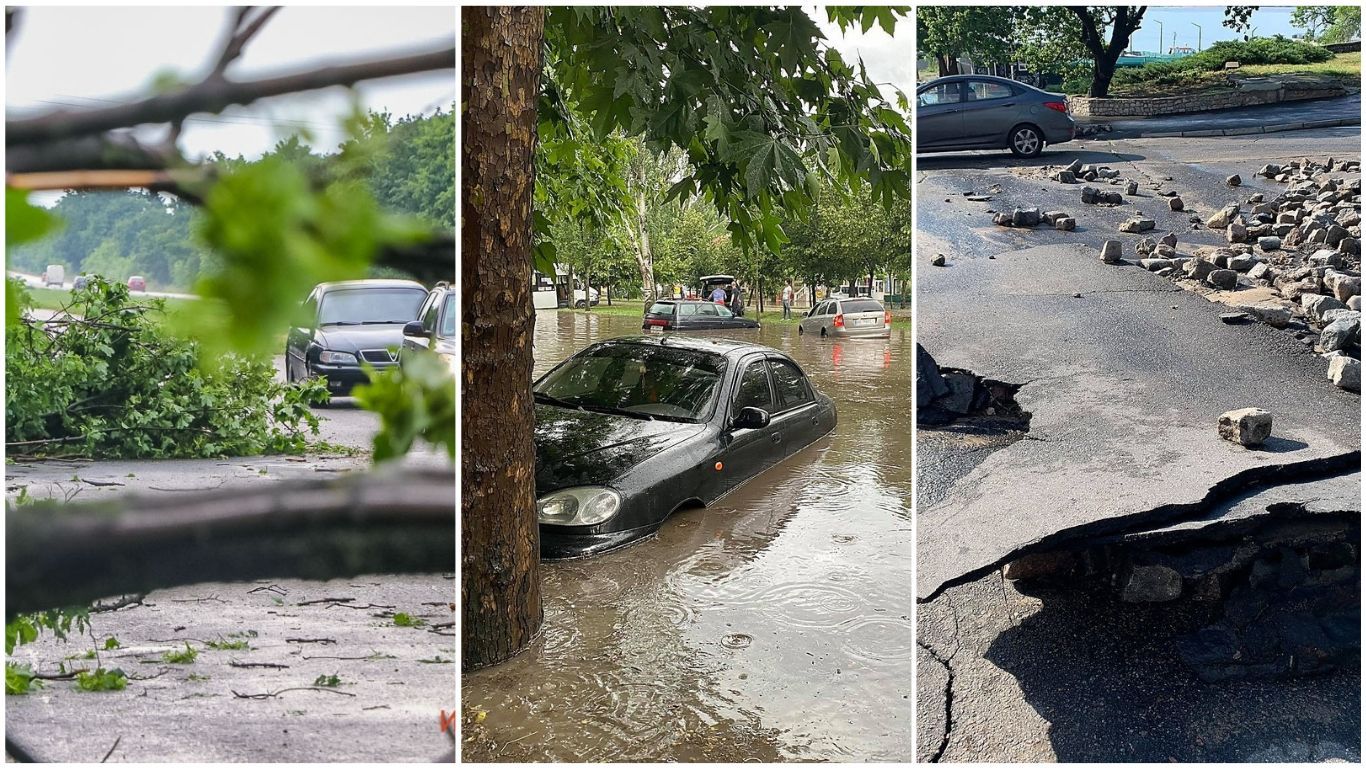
947, 664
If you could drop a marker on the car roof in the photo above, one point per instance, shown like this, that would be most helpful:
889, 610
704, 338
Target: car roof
988, 78
716, 278
727, 347
371, 283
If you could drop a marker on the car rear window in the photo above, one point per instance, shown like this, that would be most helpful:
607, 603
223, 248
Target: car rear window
861, 305
661, 308
359, 306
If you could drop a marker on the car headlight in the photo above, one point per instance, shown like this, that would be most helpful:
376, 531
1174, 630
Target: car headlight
333, 358
578, 506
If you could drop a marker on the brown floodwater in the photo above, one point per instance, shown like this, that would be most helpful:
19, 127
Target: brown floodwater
774, 625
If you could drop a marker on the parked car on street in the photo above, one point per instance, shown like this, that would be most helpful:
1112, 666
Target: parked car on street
434, 328
847, 319
681, 315
963, 112
349, 323
137, 283
631, 430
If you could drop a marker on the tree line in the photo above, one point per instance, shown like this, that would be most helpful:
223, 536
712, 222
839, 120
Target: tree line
408, 165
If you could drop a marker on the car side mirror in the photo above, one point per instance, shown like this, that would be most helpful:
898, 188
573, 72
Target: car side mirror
750, 417
414, 328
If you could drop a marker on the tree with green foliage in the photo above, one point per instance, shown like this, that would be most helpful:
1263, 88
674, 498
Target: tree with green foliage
1054, 32
949, 31
1328, 23
759, 104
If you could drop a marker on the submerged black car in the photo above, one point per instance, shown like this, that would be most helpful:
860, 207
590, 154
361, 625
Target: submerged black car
630, 430
349, 323
682, 315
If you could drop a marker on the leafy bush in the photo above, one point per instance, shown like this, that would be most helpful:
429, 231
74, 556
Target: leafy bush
111, 379
101, 679
1190, 70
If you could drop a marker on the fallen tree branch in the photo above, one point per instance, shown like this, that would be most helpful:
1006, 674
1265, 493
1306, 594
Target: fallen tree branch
379, 522
275, 694
214, 95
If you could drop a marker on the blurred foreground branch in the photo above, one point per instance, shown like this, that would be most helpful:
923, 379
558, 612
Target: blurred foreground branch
378, 522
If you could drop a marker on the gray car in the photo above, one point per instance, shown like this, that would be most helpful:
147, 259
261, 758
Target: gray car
858, 318
962, 112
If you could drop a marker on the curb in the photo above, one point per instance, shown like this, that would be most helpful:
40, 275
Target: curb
1244, 131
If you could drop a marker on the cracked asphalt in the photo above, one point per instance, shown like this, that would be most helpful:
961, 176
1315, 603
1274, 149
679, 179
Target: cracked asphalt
1124, 374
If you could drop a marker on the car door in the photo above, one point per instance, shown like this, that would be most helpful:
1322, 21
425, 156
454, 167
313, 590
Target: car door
428, 314
989, 110
708, 316
747, 452
296, 343
811, 323
939, 116
796, 419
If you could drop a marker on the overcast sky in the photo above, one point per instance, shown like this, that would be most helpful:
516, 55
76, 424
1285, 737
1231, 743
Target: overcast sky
94, 56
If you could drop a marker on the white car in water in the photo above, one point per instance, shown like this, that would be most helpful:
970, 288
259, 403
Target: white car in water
858, 318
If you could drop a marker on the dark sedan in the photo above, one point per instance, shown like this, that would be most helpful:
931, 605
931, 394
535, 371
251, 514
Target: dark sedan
682, 315
349, 323
963, 112
631, 430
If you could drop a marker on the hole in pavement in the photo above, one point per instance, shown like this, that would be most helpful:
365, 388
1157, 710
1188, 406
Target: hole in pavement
970, 403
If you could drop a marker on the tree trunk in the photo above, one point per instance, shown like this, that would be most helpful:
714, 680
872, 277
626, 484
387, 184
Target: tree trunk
500, 578
645, 259
948, 64
587, 285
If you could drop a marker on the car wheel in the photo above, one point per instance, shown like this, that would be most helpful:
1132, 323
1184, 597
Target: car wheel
1025, 141
801, 331
581, 305
823, 333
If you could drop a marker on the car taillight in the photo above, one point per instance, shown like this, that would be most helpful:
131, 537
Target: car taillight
887, 317
1057, 106
839, 321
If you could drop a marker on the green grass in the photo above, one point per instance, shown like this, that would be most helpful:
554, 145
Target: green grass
1341, 65
1170, 81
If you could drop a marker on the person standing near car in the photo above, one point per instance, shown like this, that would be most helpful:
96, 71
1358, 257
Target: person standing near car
737, 301
718, 295
787, 300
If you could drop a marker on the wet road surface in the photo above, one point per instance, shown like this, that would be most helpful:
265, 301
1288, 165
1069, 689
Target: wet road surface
1124, 374
774, 625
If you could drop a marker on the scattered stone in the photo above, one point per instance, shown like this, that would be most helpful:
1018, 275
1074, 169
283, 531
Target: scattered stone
1242, 262
1176, 204
1269, 243
1052, 216
1354, 303
1025, 217
1274, 314
1316, 304
1151, 584
1221, 218
1145, 247
1075, 166
1154, 265
938, 260
1245, 426
1131, 188
1199, 269
1111, 252
1066, 177
1343, 286
1236, 232
1137, 224
1223, 279
1341, 334
1345, 373
1089, 195
1234, 318
1234, 180
1259, 270
979, 198
1066, 224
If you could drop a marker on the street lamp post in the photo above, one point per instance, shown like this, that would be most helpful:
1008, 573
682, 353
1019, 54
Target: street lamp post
1199, 36
1160, 37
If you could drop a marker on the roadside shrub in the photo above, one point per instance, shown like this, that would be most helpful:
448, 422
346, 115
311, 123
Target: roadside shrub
1261, 50
108, 378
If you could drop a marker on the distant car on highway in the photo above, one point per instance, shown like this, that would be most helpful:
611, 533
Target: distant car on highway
348, 323
631, 430
137, 283
681, 315
963, 112
79, 282
847, 319
434, 328
55, 274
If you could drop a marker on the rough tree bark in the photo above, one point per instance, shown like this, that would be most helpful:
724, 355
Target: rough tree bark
500, 577
641, 233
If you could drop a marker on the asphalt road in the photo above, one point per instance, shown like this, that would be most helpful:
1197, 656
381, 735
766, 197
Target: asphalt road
1124, 374
1259, 117
36, 281
1124, 383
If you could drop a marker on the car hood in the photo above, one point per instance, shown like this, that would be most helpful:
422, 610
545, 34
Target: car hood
586, 448
353, 338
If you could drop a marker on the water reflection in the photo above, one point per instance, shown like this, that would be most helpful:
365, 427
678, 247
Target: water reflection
774, 625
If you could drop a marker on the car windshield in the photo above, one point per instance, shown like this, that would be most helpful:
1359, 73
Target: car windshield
638, 380
447, 329
368, 306
860, 305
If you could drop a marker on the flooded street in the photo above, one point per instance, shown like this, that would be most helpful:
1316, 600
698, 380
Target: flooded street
774, 625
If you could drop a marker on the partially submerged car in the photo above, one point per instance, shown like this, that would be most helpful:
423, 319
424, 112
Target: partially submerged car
434, 328
847, 319
349, 323
684, 315
631, 430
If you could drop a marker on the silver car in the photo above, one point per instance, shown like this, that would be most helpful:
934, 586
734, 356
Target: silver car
861, 318
962, 112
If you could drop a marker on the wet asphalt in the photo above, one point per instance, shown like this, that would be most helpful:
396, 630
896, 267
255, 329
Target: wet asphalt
1124, 384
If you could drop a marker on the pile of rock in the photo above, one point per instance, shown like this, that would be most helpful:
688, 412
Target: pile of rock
1077, 172
1031, 217
1093, 196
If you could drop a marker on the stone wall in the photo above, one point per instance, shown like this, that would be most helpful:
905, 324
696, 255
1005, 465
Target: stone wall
1084, 107
1350, 47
